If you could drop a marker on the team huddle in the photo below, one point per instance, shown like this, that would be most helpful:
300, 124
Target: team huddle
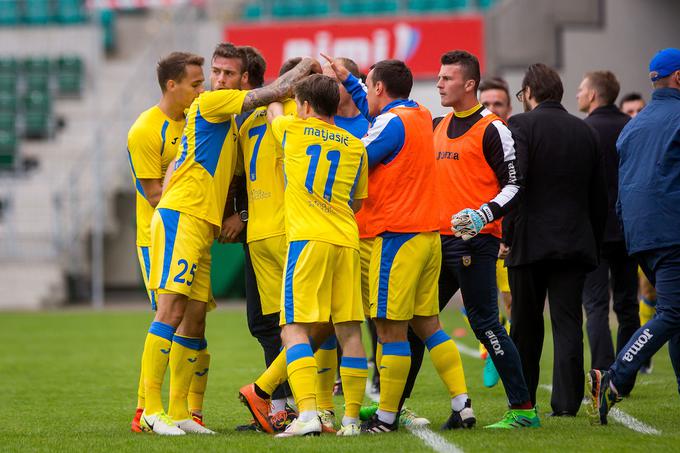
350, 215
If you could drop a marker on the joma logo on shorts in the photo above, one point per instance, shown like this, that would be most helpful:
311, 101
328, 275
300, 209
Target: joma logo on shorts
637, 346
494, 342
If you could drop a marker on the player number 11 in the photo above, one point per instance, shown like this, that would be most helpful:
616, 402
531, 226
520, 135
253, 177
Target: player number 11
314, 151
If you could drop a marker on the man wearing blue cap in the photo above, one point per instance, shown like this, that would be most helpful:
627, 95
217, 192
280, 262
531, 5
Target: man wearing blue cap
649, 208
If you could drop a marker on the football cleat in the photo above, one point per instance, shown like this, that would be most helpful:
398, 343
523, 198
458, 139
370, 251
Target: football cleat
490, 375
464, 418
298, 428
376, 426
258, 406
282, 419
366, 412
191, 426
160, 423
327, 418
198, 417
349, 430
135, 425
602, 397
409, 419
518, 418
252, 426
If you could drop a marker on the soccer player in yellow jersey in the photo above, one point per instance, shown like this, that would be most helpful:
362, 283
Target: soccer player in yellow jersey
152, 143
188, 218
326, 179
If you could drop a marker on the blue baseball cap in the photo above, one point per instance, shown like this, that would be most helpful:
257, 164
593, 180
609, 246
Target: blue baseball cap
664, 63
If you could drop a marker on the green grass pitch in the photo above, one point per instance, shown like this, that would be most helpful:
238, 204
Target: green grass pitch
69, 380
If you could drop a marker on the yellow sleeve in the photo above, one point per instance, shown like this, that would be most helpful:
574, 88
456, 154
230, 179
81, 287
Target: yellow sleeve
144, 145
279, 126
289, 107
218, 106
361, 191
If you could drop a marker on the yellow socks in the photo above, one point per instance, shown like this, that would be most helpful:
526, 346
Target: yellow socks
378, 354
327, 362
394, 368
154, 364
199, 380
447, 362
275, 375
302, 376
647, 310
353, 372
183, 357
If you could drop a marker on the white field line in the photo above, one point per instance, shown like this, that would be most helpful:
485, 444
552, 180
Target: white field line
624, 418
429, 437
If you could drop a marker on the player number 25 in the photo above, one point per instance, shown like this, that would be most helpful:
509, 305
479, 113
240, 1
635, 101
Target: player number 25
314, 151
179, 278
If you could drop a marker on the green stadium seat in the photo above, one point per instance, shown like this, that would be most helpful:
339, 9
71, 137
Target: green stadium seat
252, 11
69, 84
485, 4
7, 121
8, 102
38, 12
107, 18
8, 83
37, 124
70, 11
9, 66
69, 63
8, 148
350, 7
419, 6
9, 12
37, 82
319, 8
281, 8
449, 5
37, 101
37, 65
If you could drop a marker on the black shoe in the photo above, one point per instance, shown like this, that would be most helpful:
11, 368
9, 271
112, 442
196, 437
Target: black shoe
252, 426
464, 418
376, 426
561, 414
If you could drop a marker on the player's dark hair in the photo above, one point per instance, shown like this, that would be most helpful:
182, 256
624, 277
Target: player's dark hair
321, 93
351, 66
605, 85
256, 66
289, 64
495, 83
544, 82
465, 60
630, 97
395, 76
228, 50
173, 67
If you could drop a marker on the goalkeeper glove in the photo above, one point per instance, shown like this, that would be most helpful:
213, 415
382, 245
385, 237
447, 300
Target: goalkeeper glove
469, 222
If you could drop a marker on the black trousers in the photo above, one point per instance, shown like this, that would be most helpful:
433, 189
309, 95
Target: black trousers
617, 271
563, 282
265, 328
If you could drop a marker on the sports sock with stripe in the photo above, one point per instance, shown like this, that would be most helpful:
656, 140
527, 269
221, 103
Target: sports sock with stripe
154, 363
353, 372
327, 362
183, 358
446, 360
394, 368
302, 376
199, 380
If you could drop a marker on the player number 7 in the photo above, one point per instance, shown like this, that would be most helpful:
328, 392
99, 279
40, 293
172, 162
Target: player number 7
259, 131
314, 151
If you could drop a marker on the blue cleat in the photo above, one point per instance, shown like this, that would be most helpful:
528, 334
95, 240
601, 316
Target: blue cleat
490, 374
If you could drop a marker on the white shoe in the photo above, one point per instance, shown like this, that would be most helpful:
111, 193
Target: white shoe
349, 430
327, 418
298, 428
191, 426
409, 419
161, 424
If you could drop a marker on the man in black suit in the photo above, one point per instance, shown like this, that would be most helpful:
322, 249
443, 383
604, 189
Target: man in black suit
618, 271
554, 234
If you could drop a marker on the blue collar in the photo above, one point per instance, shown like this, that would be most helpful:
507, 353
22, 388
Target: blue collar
666, 93
399, 103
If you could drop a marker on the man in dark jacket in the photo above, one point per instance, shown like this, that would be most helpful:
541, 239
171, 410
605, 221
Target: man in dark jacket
596, 96
649, 196
554, 234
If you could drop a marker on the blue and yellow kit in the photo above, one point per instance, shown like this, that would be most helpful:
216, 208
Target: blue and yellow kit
189, 215
152, 143
326, 169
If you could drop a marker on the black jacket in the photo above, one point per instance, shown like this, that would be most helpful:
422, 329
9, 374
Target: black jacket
608, 121
563, 208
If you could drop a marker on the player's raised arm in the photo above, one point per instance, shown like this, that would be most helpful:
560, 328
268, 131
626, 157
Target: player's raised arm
282, 87
352, 84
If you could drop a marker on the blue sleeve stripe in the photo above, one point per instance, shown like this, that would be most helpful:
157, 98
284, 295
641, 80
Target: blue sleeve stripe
170, 220
203, 344
390, 248
164, 129
183, 156
354, 362
330, 343
358, 91
138, 185
187, 342
298, 351
294, 250
162, 330
385, 139
436, 339
400, 348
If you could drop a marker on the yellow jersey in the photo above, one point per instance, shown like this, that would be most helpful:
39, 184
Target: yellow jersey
152, 143
207, 157
263, 168
326, 168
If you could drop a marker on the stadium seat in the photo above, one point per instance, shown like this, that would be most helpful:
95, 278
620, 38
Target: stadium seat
8, 82
485, 4
8, 148
449, 5
9, 66
70, 11
69, 75
37, 82
9, 12
37, 101
8, 102
252, 11
320, 8
37, 65
37, 124
37, 12
7, 121
350, 7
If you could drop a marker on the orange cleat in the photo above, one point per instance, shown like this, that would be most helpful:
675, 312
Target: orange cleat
135, 427
198, 418
258, 406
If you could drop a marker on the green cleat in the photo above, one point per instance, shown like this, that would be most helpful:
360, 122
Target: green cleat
366, 412
518, 418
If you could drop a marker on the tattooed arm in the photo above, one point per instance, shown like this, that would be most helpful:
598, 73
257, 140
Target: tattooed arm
282, 87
